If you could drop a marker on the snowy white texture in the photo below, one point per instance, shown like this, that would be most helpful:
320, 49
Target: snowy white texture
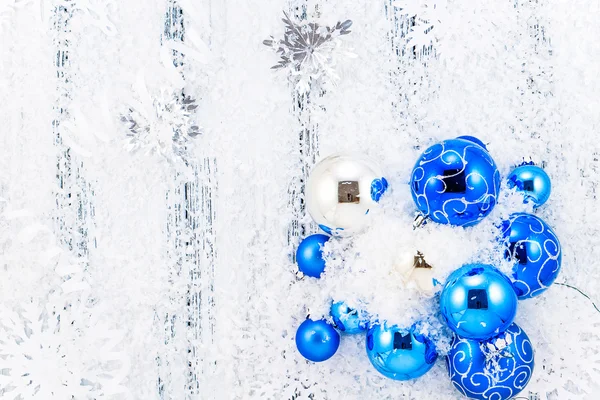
522, 76
59, 351
56, 342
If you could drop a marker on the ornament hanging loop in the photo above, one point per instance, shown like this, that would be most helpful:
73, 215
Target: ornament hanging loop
420, 220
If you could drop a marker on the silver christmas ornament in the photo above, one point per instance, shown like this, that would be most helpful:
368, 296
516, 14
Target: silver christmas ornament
341, 190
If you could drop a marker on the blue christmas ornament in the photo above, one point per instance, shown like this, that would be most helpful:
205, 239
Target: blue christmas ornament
400, 354
533, 182
309, 255
535, 249
478, 301
378, 188
455, 182
474, 140
317, 340
347, 319
496, 369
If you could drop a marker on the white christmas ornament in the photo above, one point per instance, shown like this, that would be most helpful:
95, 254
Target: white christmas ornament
405, 264
415, 271
423, 278
341, 190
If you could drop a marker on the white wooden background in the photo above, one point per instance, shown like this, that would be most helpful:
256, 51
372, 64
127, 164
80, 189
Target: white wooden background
183, 271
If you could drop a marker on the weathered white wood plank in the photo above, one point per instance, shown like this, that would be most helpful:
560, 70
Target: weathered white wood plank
74, 196
191, 253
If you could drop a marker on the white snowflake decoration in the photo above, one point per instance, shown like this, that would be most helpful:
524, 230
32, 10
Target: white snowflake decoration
9, 7
55, 352
427, 17
96, 13
163, 124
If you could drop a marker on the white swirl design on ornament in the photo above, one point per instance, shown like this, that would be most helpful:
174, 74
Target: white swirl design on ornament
547, 261
479, 195
490, 372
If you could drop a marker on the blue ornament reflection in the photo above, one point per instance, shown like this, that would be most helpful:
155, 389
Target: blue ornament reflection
455, 182
533, 182
400, 354
536, 251
348, 320
495, 369
328, 229
309, 255
478, 301
317, 340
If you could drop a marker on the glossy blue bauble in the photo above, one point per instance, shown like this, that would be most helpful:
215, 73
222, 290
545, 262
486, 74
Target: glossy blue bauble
478, 301
495, 369
474, 140
310, 257
533, 182
400, 354
536, 251
455, 182
348, 320
317, 340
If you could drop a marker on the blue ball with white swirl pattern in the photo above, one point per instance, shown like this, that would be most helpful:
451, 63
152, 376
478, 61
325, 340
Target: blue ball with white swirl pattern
455, 182
495, 369
400, 354
535, 250
478, 301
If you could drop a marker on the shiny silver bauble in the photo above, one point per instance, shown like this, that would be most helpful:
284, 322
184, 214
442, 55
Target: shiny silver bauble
341, 190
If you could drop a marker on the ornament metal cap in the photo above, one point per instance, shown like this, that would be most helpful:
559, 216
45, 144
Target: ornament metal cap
420, 220
420, 261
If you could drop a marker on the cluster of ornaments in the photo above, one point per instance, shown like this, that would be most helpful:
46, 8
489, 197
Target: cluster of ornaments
455, 182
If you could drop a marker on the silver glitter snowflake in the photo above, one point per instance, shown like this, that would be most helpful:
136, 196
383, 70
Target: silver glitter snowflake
165, 126
308, 51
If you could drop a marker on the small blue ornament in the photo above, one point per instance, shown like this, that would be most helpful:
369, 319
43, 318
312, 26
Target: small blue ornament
455, 182
317, 340
533, 182
347, 319
309, 255
400, 354
478, 301
496, 369
534, 247
378, 188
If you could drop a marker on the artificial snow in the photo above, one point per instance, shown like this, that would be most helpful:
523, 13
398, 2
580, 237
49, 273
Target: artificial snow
128, 277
